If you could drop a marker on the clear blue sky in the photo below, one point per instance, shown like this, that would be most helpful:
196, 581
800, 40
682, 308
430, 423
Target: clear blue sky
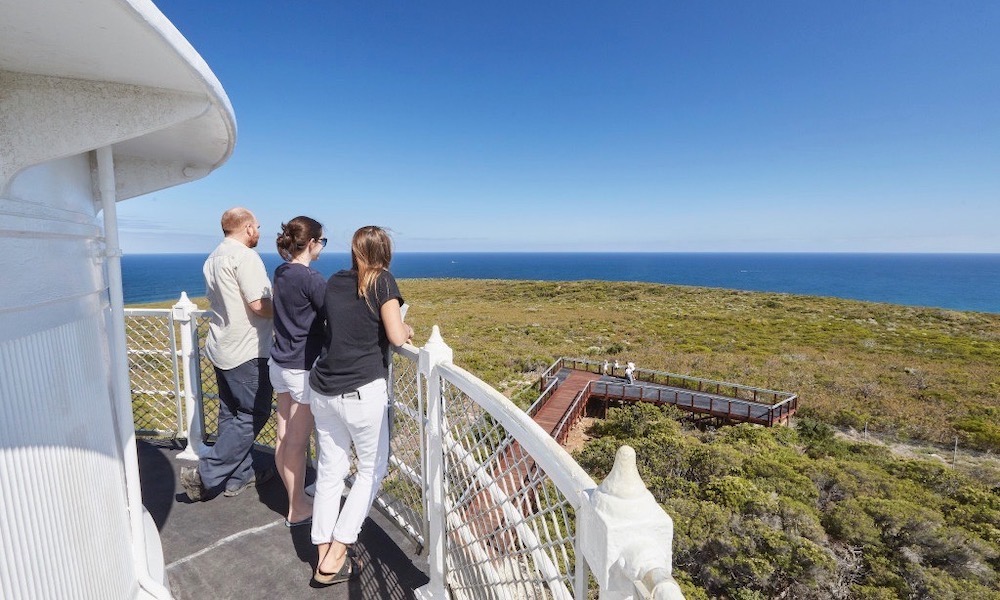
600, 126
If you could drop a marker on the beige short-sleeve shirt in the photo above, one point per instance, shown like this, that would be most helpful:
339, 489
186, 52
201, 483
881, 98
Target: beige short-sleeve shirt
235, 276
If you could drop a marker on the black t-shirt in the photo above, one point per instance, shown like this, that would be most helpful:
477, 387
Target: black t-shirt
357, 349
299, 293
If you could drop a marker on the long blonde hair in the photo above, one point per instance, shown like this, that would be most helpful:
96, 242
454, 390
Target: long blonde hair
371, 253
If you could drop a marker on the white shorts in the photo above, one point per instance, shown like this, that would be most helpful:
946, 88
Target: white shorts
290, 381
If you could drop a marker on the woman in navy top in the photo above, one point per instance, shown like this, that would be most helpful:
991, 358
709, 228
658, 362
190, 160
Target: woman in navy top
299, 292
350, 397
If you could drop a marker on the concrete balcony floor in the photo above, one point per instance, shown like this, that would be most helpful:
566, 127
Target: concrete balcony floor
240, 548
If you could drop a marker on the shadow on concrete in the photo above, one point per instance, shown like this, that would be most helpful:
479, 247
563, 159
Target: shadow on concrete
240, 548
157, 477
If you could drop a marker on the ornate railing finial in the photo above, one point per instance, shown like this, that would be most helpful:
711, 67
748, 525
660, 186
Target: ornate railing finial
626, 535
624, 481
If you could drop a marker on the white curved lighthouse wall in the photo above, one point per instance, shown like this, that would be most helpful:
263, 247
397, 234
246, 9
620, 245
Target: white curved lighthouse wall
63, 515
100, 101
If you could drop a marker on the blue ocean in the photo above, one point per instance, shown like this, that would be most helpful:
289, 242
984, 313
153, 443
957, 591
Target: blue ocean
954, 281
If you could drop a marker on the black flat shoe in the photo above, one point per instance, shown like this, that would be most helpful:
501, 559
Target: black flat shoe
321, 579
305, 521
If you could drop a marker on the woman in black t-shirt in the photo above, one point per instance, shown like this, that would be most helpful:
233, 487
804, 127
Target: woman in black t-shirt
350, 399
299, 291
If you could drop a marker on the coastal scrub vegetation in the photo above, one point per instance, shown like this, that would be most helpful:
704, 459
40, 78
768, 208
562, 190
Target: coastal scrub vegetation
906, 373
799, 513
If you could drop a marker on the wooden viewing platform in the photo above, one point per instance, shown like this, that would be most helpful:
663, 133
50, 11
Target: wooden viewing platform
569, 386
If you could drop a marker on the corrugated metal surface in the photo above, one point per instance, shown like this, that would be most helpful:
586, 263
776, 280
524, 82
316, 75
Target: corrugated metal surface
64, 531
62, 511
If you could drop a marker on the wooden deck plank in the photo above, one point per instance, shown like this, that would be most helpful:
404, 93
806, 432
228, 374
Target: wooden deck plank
549, 415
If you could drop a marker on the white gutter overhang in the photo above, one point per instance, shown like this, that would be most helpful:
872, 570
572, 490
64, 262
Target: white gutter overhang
77, 76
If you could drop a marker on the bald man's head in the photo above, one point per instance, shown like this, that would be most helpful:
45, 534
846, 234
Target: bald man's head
236, 218
241, 224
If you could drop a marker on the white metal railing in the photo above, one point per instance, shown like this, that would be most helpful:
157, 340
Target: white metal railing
501, 508
153, 363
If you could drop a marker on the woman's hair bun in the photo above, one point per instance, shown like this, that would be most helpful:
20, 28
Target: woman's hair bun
295, 236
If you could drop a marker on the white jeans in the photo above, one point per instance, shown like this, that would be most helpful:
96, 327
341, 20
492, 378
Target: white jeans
361, 419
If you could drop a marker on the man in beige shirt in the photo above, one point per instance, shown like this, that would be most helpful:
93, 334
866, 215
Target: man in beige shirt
238, 344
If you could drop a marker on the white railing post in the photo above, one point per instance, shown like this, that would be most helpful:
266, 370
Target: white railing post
182, 312
434, 352
626, 536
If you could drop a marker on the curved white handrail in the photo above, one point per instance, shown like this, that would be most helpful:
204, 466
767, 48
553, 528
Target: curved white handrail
558, 465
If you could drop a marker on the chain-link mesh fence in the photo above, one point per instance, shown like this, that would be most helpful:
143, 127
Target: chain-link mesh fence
509, 530
401, 496
210, 390
206, 377
150, 337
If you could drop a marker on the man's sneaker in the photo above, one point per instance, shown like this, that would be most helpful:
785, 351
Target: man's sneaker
259, 478
191, 482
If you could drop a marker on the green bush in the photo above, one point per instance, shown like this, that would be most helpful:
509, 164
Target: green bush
981, 428
870, 592
777, 472
818, 437
735, 493
848, 522
754, 517
850, 418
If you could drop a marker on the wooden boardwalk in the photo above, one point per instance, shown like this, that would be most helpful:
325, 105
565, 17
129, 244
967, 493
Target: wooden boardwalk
549, 415
572, 382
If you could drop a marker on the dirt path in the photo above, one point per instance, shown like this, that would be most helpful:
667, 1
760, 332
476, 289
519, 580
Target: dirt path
578, 437
984, 466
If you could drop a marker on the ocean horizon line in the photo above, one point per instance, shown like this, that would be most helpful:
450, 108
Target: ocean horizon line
959, 281
727, 252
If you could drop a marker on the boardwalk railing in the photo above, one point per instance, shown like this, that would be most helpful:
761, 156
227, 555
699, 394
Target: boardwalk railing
732, 390
502, 510
729, 401
694, 402
547, 377
552, 386
572, 415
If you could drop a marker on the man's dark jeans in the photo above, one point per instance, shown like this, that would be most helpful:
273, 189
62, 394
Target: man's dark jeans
244, 407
